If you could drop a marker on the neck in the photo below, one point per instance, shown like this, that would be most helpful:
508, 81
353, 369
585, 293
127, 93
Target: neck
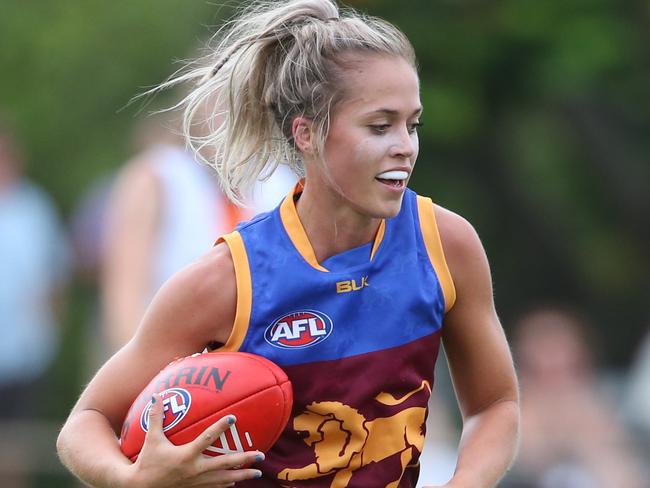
332, 226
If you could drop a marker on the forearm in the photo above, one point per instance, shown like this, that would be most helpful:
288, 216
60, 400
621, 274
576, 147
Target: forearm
88, 447
488, 446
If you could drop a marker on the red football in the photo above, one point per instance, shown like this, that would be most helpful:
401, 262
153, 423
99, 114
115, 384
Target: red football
198, 390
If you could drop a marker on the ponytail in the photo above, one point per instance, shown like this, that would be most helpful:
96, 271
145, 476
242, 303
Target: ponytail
271, 63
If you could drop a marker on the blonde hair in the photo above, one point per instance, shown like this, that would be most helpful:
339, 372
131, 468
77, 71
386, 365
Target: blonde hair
273, 62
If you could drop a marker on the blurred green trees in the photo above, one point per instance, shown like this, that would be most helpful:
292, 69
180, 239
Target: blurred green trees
69, 69
537, 125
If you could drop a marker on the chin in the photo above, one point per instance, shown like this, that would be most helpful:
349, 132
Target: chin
386, 210
392, 213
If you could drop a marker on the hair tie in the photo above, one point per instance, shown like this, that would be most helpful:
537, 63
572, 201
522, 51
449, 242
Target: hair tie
219, 65
233, 49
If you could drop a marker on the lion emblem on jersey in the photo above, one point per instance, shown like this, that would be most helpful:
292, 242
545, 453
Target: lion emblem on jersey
344, 440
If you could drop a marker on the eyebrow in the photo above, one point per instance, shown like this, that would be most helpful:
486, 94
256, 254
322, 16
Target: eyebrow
393, 113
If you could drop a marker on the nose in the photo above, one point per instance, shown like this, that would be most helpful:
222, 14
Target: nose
405, 144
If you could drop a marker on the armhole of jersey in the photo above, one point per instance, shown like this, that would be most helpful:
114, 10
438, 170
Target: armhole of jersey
432, 242
244, 291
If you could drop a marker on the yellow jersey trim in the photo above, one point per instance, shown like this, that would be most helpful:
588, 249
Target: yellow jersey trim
298, 236
436, 254
380, 237
296, 231
235, 243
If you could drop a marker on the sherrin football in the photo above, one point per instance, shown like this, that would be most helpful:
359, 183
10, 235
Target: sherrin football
198, 390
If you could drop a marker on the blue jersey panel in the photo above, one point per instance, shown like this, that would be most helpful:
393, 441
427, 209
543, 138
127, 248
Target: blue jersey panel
301, 314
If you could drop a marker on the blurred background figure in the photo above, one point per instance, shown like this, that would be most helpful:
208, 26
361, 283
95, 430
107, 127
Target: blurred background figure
34, 270
572, 436
637, 401
88, 227
165, 210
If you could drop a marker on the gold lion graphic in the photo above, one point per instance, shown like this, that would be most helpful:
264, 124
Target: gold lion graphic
344, 441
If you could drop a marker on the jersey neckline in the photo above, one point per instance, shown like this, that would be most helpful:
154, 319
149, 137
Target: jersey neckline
296, 232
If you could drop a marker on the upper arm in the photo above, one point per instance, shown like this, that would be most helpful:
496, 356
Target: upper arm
475, 344
194, 308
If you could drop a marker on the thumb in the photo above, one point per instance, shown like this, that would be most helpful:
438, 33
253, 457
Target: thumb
155, 420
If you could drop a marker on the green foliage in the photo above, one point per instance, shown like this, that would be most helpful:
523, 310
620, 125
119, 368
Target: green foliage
536, 129
70, 69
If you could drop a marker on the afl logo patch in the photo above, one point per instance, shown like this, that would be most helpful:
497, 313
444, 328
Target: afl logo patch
297, 330
176, 404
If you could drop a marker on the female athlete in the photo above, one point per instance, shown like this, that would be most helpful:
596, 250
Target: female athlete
350, 285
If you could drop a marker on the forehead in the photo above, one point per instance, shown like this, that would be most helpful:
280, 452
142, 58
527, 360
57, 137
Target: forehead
380, 82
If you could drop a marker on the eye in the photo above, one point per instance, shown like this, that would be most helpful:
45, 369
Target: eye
379, 128
413, 128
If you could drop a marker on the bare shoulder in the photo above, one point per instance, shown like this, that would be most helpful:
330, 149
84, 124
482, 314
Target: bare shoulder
136, 193
138, 171
460, 241
141, 172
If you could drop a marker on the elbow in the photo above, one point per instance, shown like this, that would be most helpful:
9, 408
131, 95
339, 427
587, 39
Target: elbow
61, 444
507, 413
65, 442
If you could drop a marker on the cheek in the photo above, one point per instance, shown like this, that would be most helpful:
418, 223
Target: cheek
369, 150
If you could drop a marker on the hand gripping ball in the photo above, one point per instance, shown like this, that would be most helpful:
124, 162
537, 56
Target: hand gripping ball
198, 390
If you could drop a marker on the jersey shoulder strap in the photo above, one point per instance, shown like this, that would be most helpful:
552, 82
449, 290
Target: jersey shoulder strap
433, 244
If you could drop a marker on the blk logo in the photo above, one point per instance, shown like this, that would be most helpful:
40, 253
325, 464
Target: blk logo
298, 330
176, 404
351, 285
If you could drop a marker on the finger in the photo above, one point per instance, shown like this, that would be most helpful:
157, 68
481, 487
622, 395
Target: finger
222, 478
212, 433
155, 419
233, 461
228, 478
243, 474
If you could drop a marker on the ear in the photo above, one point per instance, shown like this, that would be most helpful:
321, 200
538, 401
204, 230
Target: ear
301, 129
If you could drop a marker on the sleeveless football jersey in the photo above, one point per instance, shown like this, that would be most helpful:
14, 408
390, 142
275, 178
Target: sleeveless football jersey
358, 335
